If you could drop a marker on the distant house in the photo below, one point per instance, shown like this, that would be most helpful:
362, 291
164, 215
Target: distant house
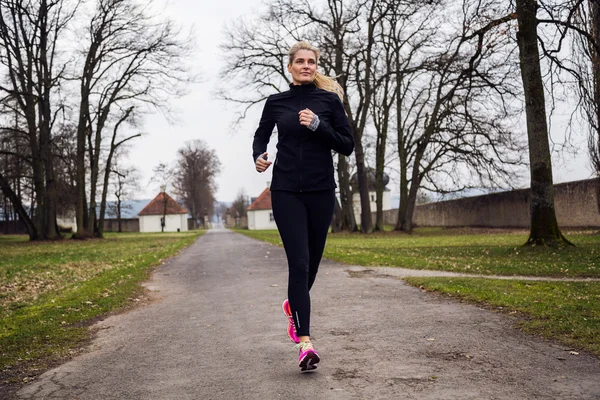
260, 212
386, 198
163, 204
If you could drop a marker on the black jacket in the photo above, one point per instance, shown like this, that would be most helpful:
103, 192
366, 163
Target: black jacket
304, 161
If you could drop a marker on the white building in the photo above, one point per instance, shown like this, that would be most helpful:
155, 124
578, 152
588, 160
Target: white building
260, 212
163, 205
386, 203
66, 220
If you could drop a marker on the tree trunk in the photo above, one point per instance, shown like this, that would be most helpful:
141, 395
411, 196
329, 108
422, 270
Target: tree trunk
100, 233
594, 143
348, 220
358, 127
403, 207
544, 226
379, 166
19, 208
411, 201
380, 147
120, 227
80, 174
80, 206
366, 220
108, 166
94, 174
336, 221
164, 215
379, 190
595, 136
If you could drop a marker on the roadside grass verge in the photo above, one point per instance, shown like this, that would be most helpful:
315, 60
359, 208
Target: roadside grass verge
51, 292
566, 311
476, 251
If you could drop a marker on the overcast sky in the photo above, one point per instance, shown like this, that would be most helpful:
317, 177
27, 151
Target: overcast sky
201, 116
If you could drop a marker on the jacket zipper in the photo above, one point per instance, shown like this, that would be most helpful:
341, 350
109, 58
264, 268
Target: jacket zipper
300, 138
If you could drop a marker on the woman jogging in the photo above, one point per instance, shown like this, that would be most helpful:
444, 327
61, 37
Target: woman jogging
311, 122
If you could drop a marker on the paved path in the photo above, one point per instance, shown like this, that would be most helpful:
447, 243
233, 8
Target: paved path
216, 331
406, 272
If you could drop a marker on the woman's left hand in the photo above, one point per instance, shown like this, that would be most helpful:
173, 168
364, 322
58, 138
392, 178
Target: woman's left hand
306, 117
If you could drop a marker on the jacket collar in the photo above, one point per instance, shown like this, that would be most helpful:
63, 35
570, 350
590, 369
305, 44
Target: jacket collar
303, 88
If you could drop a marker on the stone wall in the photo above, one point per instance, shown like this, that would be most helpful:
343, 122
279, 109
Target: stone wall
231, 222
577, 205
127, 224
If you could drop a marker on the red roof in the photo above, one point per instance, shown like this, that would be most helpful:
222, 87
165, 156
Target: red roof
157, 206
262, 202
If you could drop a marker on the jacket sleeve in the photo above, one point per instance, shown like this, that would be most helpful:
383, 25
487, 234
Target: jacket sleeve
263, 132
337, 134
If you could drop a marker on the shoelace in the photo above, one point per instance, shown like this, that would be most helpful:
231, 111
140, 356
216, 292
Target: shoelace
304, 346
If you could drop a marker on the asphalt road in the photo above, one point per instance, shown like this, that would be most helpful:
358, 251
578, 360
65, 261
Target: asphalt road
215, 330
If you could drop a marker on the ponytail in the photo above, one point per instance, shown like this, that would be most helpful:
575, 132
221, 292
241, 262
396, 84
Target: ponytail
330, 84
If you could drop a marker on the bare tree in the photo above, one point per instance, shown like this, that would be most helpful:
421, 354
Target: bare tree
15, 168
593, 106
15, 199
114, 146
257, 62
575, 24
239, 207
347, 33
124, 183
451, 132
163, 174
132, 57
544, 226
29, 32
343, 23
194, 181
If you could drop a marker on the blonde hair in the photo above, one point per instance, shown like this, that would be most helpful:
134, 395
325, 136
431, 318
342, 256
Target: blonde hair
321, 81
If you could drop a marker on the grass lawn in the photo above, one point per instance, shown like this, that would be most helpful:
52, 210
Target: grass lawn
51, 292
472, 251
567, 311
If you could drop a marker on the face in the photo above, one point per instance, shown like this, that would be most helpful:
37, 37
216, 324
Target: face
304, 67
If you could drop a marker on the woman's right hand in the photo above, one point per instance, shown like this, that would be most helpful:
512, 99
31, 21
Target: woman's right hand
261, 163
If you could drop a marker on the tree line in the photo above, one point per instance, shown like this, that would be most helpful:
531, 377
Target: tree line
76, 78
436, 90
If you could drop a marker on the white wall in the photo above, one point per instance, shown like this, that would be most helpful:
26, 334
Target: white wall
67, 222
261, 219
151, 223
251, 220
387, 203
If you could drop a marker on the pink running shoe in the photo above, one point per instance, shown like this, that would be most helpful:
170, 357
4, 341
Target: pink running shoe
291, 328
308, 357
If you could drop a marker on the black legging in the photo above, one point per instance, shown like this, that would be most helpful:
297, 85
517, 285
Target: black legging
303, 219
